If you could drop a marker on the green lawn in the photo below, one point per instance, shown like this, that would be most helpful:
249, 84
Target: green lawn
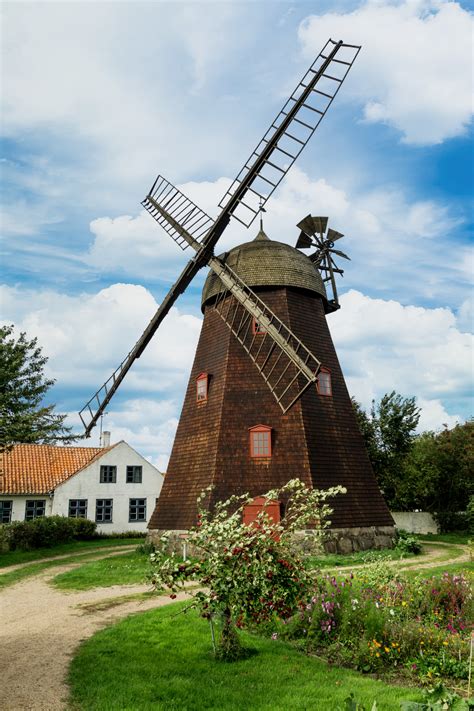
162, 662
456, 537
17, 557
334, 560
125, 569
455, 568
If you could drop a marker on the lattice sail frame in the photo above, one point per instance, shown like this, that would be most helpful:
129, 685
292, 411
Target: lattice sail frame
302, 113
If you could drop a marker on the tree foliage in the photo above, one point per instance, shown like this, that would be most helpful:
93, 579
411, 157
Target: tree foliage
23, 415
389, 433
430, 472
438, 474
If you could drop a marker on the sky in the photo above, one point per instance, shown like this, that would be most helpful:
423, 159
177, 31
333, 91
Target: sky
100, 97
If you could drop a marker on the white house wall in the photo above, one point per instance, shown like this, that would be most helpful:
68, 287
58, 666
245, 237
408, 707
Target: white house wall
19, 504
86, 485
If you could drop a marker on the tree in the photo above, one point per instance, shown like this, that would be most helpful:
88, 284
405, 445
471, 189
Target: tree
437, 475
23, 386
249, 572
389, 433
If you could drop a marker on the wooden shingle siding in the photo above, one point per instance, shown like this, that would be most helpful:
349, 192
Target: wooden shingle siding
317, 440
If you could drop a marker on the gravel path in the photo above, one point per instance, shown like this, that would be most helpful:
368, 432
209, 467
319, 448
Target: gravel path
40, 629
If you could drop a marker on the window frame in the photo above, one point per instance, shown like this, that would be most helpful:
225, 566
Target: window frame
103, 468
8, 510
103, 507
133, 469
256, 429
256, 328
136, 507
202, 378
326, 372
80, 504
35, 507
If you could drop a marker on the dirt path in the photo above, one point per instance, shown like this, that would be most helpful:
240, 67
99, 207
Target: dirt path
432, 557
40, 629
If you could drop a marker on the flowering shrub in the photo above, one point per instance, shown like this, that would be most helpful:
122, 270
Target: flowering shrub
250, 572
376, 620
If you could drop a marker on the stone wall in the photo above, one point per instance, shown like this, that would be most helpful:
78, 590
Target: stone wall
338, 540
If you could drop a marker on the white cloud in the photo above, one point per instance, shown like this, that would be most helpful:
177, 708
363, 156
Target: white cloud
86, 337
395, 243
385, 346
465, 315
147, 425
434, 416
413, 69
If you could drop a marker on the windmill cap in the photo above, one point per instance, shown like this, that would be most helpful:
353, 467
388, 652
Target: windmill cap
265, 262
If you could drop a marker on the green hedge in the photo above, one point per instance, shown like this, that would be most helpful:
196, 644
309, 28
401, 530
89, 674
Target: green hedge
45, 532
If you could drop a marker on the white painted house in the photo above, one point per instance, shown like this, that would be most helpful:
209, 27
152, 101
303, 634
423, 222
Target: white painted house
113, 485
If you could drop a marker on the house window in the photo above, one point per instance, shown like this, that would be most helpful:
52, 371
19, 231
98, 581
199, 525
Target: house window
201, 387
323, 383
260, 441
35, 508
6, 511
77, 508
134, 474
103, 510
257, 328
108, 474
137, 510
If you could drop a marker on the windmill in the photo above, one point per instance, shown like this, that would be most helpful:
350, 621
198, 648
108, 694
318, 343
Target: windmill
238, 322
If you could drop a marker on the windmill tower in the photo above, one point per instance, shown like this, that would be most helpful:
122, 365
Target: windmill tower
266, 399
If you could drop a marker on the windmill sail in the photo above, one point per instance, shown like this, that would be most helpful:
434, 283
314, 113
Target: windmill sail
290, 132
181, 212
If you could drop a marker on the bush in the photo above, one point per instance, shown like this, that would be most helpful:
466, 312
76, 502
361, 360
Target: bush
406, 543
86, 530
47, 531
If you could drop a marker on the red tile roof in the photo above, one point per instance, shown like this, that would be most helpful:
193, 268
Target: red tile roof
39, 468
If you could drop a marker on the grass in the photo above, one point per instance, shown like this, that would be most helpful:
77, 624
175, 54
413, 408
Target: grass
15, 576
17, 557
162, 662
126, 569
335, 560
455, 537
455, 568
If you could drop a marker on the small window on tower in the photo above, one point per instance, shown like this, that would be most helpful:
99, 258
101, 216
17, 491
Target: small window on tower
323, 384
257, 328
260, 441
201, 387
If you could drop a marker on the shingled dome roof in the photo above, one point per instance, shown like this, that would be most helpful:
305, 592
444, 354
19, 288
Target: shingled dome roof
265, 262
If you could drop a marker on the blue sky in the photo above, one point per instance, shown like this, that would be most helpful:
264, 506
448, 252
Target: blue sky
100, 97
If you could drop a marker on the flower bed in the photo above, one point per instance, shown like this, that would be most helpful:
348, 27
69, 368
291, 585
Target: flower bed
378, 621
